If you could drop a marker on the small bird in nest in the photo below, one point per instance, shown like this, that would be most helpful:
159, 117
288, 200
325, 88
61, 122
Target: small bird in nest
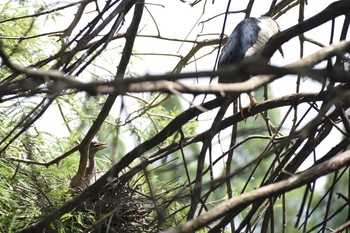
88, 179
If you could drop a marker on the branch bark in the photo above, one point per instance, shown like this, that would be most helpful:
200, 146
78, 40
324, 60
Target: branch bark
275, 189
56, 214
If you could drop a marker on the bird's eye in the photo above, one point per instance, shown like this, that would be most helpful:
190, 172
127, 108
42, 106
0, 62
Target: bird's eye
93, 144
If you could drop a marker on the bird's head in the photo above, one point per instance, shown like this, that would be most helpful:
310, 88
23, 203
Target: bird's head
97, 146
270, 23
272, 26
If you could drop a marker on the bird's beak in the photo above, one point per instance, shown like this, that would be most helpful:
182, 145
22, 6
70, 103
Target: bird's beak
100, 145
281, 51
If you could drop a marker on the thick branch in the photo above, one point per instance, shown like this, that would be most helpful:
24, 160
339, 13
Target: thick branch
275, 189
127, 51
157, 83
331, 12
56, 214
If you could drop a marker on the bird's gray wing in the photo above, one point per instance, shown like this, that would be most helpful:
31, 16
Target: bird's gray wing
242, 38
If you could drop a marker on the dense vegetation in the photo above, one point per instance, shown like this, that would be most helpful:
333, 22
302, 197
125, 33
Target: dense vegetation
72, 73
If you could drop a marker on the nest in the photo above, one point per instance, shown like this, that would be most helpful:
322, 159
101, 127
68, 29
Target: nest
121, 208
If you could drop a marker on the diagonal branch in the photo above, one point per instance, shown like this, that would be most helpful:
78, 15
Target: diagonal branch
332, 11
275, 189
127, 51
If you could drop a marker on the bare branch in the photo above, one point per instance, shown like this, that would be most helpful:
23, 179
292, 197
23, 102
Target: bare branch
275, 189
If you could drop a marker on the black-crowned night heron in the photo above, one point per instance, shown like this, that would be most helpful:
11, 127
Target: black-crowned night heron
88, 179
94, 147
247, 39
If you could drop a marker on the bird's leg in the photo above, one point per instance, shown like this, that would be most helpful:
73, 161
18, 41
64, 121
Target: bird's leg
240, 106
253, 101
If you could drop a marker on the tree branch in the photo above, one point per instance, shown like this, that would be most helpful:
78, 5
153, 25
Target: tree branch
264, 192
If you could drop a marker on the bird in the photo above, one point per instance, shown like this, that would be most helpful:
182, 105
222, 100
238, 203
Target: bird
247, 39
88, 179
94, 147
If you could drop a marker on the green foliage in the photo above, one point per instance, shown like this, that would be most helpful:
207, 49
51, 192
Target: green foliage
20, 37
158, 111
30, 191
